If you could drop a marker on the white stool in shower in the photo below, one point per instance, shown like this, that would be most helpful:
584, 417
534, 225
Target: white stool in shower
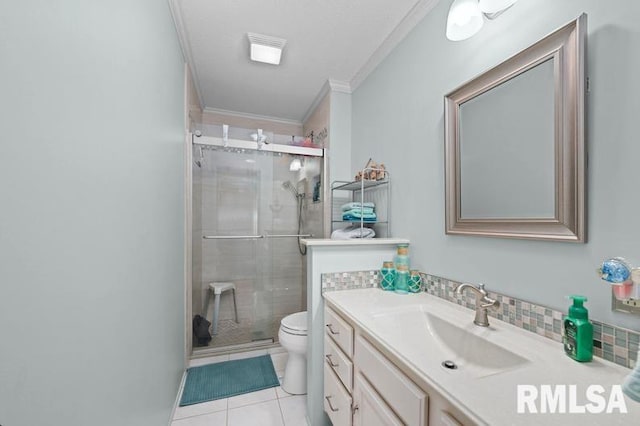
217, 289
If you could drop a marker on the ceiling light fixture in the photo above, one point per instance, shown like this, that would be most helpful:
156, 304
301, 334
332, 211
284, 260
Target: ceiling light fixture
466, 17
495, 6
265, 48
464, 20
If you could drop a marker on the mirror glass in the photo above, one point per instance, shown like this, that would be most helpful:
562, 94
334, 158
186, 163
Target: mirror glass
514, 144
509, 131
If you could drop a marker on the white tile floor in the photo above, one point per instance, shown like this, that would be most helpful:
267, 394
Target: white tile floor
268, 407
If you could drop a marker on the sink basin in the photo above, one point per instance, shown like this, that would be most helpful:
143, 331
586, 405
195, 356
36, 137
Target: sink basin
472, 350
467, 345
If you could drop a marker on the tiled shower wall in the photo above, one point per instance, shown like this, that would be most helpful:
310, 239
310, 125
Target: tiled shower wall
612, 343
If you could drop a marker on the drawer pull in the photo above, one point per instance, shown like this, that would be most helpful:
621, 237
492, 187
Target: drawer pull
330, 361
330, 327
328, 398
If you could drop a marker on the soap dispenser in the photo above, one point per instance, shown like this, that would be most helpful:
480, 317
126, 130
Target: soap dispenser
578, 331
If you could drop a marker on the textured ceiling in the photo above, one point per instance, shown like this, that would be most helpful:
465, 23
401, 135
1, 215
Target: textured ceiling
326, 39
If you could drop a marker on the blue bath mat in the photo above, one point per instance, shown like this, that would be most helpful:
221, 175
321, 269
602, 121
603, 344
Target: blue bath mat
229, 378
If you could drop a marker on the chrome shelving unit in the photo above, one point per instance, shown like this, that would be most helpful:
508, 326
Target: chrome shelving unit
376, 191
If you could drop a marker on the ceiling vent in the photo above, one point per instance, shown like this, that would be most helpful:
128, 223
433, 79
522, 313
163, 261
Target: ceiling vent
265, 48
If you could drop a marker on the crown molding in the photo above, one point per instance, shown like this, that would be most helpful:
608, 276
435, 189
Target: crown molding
252, 116
185, 46
411, 19
330, 85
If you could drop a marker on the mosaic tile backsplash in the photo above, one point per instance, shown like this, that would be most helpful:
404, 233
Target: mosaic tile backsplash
349, 280
612, 343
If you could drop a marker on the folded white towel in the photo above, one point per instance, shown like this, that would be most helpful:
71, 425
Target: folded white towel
354, 205
352, 232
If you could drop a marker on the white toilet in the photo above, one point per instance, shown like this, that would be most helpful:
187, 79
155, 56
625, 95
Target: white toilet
293, 337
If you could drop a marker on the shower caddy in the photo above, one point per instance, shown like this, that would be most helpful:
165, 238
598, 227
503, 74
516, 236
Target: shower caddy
362, 191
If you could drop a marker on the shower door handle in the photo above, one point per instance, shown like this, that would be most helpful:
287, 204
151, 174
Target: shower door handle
232, 237
288, 235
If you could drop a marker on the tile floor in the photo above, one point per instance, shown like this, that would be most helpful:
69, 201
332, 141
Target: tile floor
268, 407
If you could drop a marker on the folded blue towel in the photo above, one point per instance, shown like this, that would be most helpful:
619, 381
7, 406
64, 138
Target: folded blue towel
351, 218
355, 205
364, 210
358, 213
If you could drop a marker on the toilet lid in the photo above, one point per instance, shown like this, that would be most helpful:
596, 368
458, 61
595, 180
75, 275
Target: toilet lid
295, 322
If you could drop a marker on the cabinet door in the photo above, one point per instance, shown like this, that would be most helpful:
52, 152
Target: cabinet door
407, 399
369, 408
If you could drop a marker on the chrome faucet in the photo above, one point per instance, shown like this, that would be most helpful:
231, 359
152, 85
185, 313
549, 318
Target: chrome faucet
483, 302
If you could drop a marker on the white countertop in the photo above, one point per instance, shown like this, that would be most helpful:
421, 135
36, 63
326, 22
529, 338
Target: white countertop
487, 398
353, 242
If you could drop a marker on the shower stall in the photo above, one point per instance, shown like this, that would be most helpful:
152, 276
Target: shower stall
254, 196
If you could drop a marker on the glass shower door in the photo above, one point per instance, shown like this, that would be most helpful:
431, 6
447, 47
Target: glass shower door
245, 219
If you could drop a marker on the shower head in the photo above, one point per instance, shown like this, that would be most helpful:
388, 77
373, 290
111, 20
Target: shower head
289, 186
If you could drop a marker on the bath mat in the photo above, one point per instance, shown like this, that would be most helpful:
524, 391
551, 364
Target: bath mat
228, 378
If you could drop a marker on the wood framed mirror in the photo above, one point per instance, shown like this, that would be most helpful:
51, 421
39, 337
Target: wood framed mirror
515, 144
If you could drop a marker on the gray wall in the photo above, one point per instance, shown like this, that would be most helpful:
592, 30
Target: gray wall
398, 119
339, 137
91, 224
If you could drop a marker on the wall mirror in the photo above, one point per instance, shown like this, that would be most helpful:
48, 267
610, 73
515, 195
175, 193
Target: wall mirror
515, 144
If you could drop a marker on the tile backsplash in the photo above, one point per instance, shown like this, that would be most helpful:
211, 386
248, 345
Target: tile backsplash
349, 280
612, 343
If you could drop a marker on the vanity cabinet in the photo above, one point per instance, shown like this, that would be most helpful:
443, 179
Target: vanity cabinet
363, 387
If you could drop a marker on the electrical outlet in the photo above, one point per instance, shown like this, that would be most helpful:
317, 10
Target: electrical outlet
629, 306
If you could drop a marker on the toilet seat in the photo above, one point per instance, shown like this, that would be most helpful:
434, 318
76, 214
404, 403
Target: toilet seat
295, 324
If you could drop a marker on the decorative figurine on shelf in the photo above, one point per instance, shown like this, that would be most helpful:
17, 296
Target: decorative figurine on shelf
372, 171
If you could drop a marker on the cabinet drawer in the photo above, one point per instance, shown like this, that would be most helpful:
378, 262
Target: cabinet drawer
340, 331
339, 363
337, 401
409, 402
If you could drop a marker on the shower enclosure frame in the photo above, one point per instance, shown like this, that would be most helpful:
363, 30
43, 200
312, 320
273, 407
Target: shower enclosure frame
192, 139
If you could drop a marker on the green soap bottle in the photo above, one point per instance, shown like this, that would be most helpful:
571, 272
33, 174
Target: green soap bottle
578, 331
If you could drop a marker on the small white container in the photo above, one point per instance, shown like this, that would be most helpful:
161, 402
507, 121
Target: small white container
635, 277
